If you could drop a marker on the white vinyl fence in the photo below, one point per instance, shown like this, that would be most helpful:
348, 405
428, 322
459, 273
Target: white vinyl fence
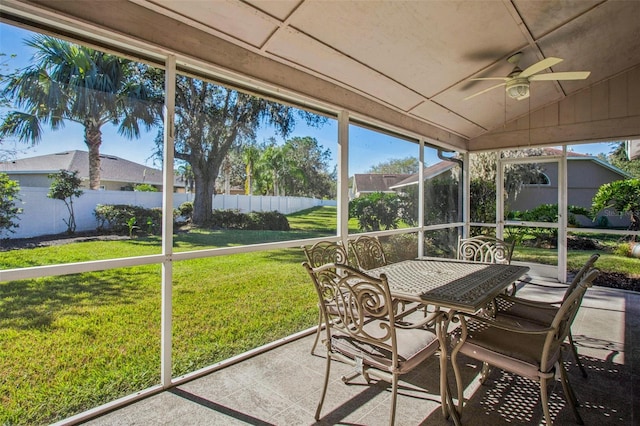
45, 216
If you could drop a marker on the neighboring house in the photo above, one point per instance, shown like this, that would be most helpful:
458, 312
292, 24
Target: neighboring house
585, 175
116, 174
375, 182
438, 169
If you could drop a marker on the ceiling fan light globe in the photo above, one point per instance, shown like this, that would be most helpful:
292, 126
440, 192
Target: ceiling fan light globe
518, 91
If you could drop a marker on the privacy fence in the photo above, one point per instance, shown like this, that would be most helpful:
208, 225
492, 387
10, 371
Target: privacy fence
45, 216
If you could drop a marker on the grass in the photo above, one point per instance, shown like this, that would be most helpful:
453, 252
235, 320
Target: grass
608, 262
73, 342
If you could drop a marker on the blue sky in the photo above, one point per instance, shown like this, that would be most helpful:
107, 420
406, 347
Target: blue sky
366, 148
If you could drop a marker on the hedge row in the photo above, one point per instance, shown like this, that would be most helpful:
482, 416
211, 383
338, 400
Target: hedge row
127, 219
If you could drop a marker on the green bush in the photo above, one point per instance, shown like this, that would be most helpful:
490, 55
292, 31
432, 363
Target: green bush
145, 187
623, 249
128, 220
233, 219
400, 247
9, 196
183, 214
376, 211
186, 209
271, 221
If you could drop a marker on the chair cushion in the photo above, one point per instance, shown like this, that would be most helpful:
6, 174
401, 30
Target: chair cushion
543, 316
414, 346
516, 352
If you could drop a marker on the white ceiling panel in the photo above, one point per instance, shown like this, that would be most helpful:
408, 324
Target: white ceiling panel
418, 57
229, 17
279, 9
424, 45
305, 52
431, 111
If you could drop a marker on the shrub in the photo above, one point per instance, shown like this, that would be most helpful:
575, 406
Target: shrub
127, 220
186, 209
623, 249
183, 214
9, 191
145, 187
65, 186
376, 211
400, 247
228, 219
268, 221
233, 219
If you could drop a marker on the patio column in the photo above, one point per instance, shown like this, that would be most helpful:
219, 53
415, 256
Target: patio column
563, 215
499, 196
466, 195
167, 228
343, 176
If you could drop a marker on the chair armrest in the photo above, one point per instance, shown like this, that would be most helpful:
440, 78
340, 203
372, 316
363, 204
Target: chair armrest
428, 321
508, 326
526, 302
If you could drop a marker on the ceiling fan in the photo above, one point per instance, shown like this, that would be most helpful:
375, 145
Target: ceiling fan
517, 82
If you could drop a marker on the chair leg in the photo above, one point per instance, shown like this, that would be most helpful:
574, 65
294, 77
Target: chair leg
394, 397
568, 391
574, 350
544, 399
326, 383
318, 332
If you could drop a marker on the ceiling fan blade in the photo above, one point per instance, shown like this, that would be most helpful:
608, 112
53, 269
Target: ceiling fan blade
539, 66
484, 91
570, 75
490, 78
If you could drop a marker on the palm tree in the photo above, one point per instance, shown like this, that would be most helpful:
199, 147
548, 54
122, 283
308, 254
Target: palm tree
82, 85
250, 156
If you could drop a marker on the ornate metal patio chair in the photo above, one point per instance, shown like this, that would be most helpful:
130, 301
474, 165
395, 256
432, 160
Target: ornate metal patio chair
319, 254
368, 252
364, 332
516, 309
528, 351
486, 249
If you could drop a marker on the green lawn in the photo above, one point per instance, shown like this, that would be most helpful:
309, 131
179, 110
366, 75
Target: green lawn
73, 342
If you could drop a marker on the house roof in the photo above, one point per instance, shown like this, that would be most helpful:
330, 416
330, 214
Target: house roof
429, 173
443, 166
377, 182
112, 168
579, 156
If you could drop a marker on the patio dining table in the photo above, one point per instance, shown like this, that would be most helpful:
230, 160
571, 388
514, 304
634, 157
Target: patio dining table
452, 286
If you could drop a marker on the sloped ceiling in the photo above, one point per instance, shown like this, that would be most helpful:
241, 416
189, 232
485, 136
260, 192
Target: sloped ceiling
415, 58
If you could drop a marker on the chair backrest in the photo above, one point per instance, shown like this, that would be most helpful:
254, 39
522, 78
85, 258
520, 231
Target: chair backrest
576, 280
561, 324
325, 252
356, 305
485, 249
368, 252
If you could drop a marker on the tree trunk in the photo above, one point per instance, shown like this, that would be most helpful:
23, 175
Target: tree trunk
203, 199
93, 140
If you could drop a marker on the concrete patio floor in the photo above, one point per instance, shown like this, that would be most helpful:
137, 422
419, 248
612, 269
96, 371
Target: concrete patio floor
283, 385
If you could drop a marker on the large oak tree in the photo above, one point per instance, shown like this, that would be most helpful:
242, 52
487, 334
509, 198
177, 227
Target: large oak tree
210, 119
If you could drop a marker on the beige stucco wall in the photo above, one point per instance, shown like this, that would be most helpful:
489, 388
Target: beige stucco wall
584, 179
